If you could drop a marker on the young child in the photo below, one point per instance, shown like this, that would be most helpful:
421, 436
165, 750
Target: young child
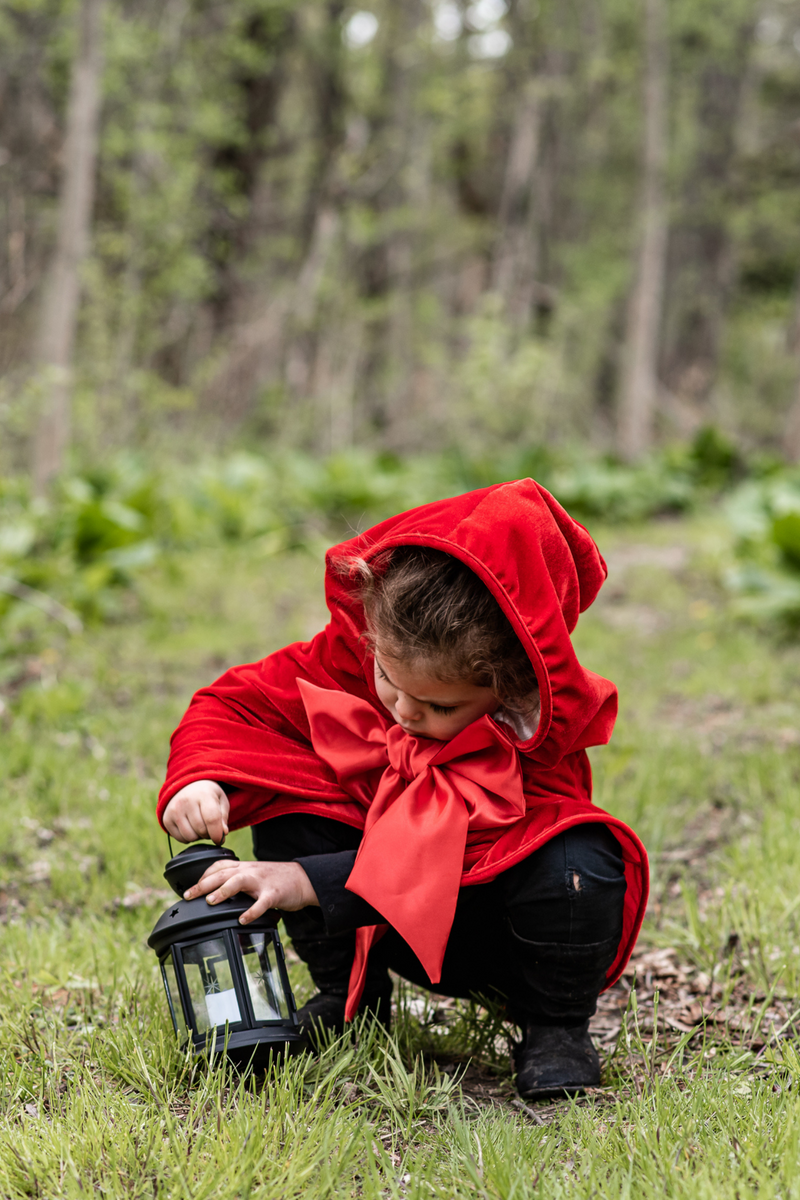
417, 780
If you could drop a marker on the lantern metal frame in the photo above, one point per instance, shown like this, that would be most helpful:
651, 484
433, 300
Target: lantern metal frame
248, 1041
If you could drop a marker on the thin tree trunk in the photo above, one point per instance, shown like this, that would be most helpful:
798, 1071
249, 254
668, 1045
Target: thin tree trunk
401, 136
791, 430
299, 358
307, 357
700, 259
514, 263
61, 299
639, 391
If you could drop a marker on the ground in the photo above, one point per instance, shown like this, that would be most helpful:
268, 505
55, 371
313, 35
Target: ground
701, 1066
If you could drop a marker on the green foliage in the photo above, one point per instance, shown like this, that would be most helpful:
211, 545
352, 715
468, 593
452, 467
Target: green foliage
109, 526
85, 547
675, 481
611, 492
765, 518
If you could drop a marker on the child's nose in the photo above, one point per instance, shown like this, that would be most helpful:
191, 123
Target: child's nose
407, 709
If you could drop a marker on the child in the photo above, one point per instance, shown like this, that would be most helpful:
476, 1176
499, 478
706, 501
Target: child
417, 780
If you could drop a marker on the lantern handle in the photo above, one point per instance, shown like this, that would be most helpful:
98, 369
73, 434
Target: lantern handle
169, 842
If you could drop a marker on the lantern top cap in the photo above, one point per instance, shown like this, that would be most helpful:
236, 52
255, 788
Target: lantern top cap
184, 870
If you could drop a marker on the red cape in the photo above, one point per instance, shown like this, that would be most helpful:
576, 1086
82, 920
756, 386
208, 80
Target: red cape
251, 729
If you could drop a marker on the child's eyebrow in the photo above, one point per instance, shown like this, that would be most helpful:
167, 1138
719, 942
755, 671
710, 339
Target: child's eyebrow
419, 699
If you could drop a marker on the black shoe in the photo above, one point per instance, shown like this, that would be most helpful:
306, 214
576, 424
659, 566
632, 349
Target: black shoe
324, 1014
553, 1061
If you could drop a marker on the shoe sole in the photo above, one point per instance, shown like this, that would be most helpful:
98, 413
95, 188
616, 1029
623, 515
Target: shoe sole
564, 1091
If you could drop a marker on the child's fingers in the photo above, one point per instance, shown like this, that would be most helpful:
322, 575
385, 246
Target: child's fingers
238, 880
273, 885
212, 878
257, 880
183, 825
214, 811
194, 822
183, 819
257, 910
197, 811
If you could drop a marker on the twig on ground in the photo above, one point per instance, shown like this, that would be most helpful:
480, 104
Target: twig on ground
529, 1112
46, 604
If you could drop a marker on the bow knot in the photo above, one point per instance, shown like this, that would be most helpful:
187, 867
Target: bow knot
408, 755
423, 799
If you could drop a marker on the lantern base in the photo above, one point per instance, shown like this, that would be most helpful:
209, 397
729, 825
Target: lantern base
249, 1047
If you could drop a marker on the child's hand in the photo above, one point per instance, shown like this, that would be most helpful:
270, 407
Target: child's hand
283, 885
199, 810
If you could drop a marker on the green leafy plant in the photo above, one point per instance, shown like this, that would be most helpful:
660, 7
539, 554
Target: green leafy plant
765, 519
80, 557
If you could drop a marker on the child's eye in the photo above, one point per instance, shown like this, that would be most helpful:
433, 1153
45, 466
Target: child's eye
442, 712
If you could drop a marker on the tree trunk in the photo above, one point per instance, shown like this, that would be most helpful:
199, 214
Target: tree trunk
514, 264
326, 191
790, 441
261, 82
271, 326
639, 391
250, 309
61, 298
532, 72
300, 352
700, 258
400, 139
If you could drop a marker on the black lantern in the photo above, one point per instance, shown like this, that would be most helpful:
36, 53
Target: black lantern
226, 983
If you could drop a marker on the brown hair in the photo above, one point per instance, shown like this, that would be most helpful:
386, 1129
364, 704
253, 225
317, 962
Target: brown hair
423, 604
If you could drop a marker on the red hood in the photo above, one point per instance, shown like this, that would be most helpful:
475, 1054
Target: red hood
542, 567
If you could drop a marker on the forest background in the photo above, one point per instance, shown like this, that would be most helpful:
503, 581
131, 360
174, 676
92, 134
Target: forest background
292, 224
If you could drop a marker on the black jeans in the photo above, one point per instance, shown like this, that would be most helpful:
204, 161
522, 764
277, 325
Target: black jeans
540, 937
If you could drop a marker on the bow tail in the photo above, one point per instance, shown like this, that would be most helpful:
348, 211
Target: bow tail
409, 867
366, 937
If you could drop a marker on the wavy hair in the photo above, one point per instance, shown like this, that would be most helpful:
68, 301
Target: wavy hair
425, 606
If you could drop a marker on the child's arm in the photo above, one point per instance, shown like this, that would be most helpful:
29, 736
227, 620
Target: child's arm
198, 810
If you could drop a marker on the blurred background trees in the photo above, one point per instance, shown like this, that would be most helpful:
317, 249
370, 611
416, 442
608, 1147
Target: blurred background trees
412, 225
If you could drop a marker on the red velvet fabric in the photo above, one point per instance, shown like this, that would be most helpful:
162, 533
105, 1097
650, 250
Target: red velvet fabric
303, 729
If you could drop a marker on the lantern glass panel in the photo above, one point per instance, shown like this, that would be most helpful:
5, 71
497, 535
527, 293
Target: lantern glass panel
264, 980
210, 983
174, 998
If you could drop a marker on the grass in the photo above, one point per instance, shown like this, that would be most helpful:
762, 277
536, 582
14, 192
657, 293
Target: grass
702, 1070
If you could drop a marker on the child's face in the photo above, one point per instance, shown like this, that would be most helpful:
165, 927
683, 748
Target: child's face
425, 706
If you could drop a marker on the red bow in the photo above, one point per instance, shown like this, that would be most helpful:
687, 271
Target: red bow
422, 799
